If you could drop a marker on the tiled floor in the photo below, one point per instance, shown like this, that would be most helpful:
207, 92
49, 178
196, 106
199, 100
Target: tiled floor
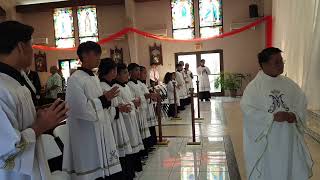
220, 152
179, 161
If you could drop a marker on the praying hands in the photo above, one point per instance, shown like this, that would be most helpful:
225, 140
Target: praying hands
285, 116
112, 93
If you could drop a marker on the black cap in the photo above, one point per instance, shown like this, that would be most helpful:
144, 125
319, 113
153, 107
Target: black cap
11, 33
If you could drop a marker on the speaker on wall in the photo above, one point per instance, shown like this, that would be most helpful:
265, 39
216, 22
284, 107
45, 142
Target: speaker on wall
253, 11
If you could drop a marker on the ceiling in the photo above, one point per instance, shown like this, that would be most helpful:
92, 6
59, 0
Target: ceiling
45, 5
28, 2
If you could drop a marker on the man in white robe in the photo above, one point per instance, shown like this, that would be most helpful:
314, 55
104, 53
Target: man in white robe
91, 152
107, 74
181, 87
151, 100
188, 76
21, 150
130, 118
274, 110
134, 71
204, 83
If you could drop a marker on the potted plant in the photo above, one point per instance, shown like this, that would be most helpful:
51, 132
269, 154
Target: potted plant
230, 81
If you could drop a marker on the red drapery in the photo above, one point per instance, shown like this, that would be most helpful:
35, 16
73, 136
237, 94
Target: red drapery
267, 20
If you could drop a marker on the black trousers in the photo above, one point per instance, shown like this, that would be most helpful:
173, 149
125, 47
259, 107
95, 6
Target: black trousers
127, 168
204, 95
171, 110
136, 160
117, 176
153, 137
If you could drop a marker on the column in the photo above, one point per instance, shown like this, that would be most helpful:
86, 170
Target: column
132, 37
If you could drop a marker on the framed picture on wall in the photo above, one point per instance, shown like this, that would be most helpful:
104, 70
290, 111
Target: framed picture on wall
117, 54
40, 60
156, 54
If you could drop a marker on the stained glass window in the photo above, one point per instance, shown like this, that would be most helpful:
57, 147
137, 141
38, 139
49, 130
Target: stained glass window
182, 19
66, 65
210, 31
210, 13
63, 26
87, 22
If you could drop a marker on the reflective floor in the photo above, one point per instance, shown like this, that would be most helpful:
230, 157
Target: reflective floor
220, 155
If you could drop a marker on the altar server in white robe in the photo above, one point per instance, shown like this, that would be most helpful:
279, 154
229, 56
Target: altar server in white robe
151, 102
204, 83
91, 152
274, 110
134, 71
21, 150
188, 76
130, 119
107, 74
181, 87
168, 80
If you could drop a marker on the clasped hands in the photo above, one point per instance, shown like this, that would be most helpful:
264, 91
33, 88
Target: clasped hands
285, 117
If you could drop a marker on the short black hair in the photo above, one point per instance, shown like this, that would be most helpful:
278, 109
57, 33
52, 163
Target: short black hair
105, 66
132, 66
121, 67
11, 33
86, 47
167, 78
142, 68
179, 65
265, 55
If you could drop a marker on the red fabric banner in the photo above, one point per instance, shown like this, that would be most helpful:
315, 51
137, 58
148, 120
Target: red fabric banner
267, 20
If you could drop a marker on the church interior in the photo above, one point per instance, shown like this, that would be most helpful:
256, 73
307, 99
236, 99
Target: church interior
205, 140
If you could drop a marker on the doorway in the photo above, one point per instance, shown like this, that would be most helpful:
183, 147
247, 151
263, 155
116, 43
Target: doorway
214, 61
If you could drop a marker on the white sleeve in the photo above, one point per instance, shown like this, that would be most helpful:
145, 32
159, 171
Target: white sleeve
199, 72
80, 107
17, 148
170, 87
208, 70
179, 78
300, 110
257, 122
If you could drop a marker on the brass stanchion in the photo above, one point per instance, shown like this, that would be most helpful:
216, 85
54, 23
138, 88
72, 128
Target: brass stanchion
199, 117
176, 117
193, 122
161, 141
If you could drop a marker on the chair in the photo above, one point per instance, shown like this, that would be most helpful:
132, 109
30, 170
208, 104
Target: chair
62, 132
52, 151
51, 148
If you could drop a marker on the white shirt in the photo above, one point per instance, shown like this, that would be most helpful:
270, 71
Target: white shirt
151, 116
21, 153
54, 80
274, 150
91, 152
130, 119
188, 79
142, 110
181, 85
119, 129
204, 83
